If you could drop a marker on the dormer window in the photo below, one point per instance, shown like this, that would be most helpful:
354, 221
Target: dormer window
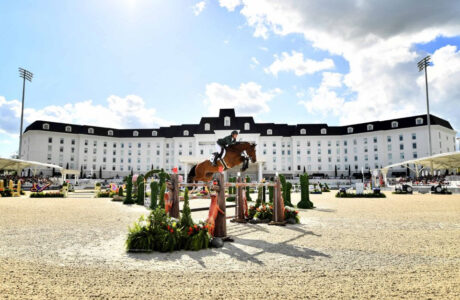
394, 124
154, 133
185, 132
350, 129
91, 130
207, 126
110, 133
370, 127
269, 132
46, 126
303, 131
419, 121
247, 126
68, 129
135, 133
227, 121
323, 131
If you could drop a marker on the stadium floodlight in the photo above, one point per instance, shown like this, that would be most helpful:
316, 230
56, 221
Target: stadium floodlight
25, 75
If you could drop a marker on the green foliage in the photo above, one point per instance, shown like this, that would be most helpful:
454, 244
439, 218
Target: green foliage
6, 193
140, 190
232, 189
260, 191
290, 213
186, 218
120, 191
105, 194
159, 232
271, 194
45, 195
286, 190
231, 199
129, 190
305, 193
161, 204
153, 194
248, 189
264, 212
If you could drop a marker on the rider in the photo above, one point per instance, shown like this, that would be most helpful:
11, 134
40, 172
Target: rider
223, 144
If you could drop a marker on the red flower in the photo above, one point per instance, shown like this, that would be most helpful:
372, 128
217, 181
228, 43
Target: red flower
172, 231
195, 226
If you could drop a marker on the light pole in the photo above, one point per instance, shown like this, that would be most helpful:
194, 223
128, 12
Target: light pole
422, 65
25, 75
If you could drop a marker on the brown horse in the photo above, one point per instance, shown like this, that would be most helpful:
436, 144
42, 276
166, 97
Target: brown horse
233, 157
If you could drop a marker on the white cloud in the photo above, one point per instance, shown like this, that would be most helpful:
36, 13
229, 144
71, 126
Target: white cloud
248, 98
297, 64
254, 63
324, 99
263, 48
230, 4
377, 39
199, 7
117, 112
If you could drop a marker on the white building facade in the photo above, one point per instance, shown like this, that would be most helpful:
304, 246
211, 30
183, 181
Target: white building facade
285, 149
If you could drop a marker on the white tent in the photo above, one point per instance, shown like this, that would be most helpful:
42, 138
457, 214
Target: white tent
443, 161
18, 165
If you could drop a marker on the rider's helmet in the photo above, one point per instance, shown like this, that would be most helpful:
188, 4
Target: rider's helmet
234, 132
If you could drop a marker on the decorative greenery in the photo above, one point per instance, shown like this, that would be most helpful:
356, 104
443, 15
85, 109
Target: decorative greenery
160, 232
325, 188
248, 189
140, 190
264, 212
161, 204
231, 199
120, 191
290, 213
271, 193
305, 193
252, 211
186, 218
6, 193
47, 195
342, 194
153, 194
105, 194
260, 197
129, 189
286, 191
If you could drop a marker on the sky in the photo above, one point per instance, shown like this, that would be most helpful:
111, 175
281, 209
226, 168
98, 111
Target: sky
150, 63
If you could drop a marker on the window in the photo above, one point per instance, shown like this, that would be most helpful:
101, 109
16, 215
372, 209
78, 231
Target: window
139, 145
61, 141
185, 132
226, 121
303, 131
46, 126
269, 132
154, 133
414, 136
207, 126
401, 138
414, 145
401, 155
375, 140
370, 127
394, 124
50, 140
91, 130
350, 129
135, 133
389, 139
68, 129
110, 132
414, 155
401, 147
323, 131
365, 141
419, 121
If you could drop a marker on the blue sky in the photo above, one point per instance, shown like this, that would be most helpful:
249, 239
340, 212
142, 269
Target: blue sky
181, 65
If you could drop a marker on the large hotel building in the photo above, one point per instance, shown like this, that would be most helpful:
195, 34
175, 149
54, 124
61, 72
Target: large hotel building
281, 148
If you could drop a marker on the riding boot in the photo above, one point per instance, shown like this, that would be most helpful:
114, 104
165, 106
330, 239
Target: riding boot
214, 161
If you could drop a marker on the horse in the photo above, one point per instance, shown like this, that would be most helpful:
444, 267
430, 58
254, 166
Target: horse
235, 155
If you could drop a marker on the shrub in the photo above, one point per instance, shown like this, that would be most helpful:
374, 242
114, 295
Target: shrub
129, 189
231, 199
153, 194
161, 204
248, 189
286, 191
186, 218
271, 193
252, 210
120, 191
197, 237
47, 195
264, 212
290, 213
305, 193
6, 193
140, 190
104, 194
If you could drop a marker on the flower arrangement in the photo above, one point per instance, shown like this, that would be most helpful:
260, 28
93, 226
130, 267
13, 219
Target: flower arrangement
290, 213
264, 212
47, 195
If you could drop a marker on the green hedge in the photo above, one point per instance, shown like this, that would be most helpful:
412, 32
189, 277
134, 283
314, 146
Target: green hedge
353, 195
47, 195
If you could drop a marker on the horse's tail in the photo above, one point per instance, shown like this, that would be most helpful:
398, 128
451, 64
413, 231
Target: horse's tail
191, 174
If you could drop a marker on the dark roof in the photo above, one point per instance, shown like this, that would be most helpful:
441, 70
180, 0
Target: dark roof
217, 123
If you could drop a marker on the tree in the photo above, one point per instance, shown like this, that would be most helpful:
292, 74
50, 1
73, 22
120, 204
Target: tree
67, 166
161, 204
186, 218
286, 192
140, 189
305, 193
335, 171
100, 172
129, 190
153, 195
81, 171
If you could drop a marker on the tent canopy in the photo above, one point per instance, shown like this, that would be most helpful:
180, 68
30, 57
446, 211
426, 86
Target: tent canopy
19, 164
449, 160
